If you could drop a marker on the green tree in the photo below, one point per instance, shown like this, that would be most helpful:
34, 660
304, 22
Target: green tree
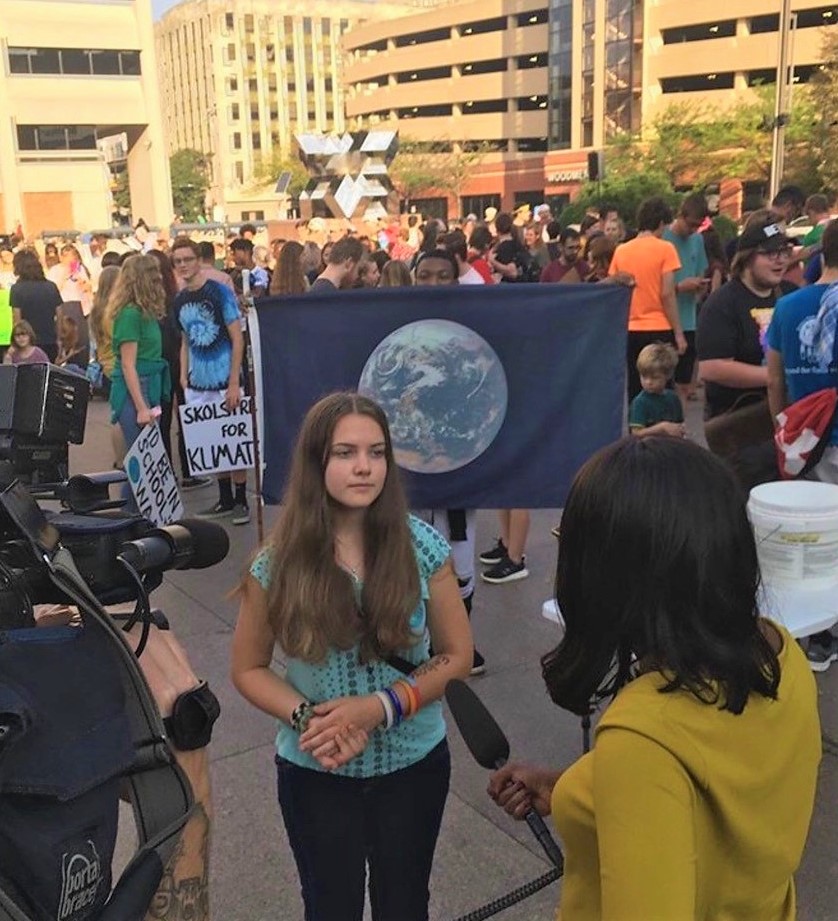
268, 169
695, 144
621, 192
435, 166
190, 181
825, 86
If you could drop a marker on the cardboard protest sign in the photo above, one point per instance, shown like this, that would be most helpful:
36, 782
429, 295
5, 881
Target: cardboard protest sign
217, 439
152, 478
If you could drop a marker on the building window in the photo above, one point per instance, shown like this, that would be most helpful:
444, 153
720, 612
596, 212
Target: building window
768, 75
237, 140
560, 37
695, 83
423, 38
248, 22
815, 18
74, 62
56, 137
232, 84
532, 18
484, 26
373, 47
529, 61
531, 103
770, 22
485, 106
532, 145
228, 20
700, 33
477, 204
428, 73
426, 111
231, 52
235, 112
621, 105
239, 168
256, 140
496, 66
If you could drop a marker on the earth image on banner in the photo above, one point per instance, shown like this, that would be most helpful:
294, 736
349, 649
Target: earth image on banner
444, 391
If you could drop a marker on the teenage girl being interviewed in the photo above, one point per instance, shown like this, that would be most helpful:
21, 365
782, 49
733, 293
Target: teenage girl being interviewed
348, 584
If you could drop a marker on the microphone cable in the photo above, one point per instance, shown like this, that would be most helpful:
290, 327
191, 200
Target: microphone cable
142, 608
512, 898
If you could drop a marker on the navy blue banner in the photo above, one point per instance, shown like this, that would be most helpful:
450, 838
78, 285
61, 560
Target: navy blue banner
495, 395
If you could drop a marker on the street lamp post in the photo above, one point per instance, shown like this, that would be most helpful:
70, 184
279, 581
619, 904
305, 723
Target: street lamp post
781, 102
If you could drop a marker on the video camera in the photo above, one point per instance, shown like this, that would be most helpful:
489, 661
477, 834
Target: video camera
78, 721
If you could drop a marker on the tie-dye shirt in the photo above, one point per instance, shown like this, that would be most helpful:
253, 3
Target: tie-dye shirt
204, 316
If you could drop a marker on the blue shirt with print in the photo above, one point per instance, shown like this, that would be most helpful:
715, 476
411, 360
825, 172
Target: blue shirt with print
204, 316
791, 333
341, 674
694, 264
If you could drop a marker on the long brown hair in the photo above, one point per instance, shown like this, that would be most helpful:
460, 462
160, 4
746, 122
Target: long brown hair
97, 318
139, 283
312, 603
288, 276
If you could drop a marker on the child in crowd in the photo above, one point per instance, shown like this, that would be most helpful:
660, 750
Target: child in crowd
656, 410
23, 350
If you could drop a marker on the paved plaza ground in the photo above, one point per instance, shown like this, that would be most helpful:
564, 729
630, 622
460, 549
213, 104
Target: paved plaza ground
482, 853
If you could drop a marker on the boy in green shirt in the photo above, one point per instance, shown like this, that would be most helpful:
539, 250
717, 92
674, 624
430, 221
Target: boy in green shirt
656, 410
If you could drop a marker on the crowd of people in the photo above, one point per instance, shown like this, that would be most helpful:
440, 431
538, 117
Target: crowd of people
370, 603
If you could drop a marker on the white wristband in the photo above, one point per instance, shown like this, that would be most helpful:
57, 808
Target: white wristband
389, 713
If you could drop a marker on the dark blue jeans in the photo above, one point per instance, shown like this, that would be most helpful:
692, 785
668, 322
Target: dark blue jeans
338, 825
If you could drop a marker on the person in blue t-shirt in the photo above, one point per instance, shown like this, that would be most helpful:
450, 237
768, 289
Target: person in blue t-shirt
656, 410
802, 358
690, 282
354, 591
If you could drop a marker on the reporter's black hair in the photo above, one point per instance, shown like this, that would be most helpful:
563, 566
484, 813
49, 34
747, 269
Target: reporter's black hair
657, 560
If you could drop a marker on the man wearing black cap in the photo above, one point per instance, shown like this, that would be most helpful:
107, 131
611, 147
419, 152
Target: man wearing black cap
730, 339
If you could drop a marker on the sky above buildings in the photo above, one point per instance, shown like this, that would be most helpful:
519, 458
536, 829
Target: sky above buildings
160, 6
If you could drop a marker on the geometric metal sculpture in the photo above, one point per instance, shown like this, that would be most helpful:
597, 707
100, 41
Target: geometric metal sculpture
349, 174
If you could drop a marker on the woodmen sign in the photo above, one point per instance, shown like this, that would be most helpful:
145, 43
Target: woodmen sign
218, 439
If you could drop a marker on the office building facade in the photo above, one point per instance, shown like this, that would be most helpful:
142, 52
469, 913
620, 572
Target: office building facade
75, 72
544, 83
240, 77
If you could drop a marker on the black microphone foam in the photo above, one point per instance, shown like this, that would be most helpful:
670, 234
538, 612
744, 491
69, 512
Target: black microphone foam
484, 738
210, 542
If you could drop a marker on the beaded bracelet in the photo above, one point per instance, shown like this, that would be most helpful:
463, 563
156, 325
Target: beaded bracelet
301, 715
389, 712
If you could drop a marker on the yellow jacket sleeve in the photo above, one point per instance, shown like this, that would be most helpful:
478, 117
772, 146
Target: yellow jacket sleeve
646, 826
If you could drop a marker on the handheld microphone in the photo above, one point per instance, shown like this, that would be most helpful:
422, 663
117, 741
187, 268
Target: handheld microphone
191, 543
490, 749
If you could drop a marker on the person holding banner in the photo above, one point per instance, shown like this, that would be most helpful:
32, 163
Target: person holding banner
211, 354
354, 590
141, 379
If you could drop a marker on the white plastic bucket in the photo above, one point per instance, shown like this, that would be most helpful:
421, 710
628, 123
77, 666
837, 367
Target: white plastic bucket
795, 524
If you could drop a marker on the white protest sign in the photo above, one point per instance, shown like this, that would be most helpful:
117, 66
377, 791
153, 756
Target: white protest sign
217, 439
152, 479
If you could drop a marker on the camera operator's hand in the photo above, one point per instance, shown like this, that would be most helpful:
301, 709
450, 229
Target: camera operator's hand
184, 889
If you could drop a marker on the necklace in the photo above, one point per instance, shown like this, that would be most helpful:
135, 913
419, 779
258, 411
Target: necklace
352, 570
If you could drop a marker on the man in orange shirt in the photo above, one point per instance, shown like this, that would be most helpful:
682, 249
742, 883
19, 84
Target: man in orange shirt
653, 262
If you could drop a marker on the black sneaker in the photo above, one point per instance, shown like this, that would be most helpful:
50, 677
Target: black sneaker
194, 482
495, 555
241, 513
478, 666
219, 510
821, 655
506, 571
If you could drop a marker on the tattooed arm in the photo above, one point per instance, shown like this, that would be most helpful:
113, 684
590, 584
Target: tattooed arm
450, 636
183, 893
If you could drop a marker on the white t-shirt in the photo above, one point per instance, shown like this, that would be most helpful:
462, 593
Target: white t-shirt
471, 277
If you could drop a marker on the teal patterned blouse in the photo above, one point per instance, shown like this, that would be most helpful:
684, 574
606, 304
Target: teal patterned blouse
341, 674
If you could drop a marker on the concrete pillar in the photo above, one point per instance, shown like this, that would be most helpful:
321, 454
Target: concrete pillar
149, 181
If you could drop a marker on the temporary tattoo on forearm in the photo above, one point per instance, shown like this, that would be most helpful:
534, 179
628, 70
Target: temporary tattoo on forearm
431, 665
181, 897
